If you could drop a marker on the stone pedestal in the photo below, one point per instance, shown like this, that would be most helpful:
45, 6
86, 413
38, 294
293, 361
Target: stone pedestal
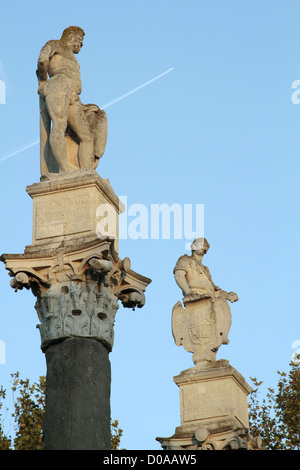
72, 207
73, 269
212, 395
214, 410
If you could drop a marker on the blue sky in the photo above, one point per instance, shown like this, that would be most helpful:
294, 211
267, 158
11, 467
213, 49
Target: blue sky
220, 130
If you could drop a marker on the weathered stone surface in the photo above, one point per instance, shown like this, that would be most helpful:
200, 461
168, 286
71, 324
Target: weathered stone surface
226, 437
78, 289
78, 134
73, 270
77, 309
214, 410
77, 415
74, 205
212, 394
203, 325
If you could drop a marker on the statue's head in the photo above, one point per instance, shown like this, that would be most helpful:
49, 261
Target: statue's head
200, 245
73, 36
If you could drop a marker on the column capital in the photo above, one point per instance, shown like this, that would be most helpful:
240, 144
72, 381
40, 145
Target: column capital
77, 289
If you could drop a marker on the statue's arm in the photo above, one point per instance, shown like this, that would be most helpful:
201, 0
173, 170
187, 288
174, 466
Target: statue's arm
180, 278
47, 52
231, 296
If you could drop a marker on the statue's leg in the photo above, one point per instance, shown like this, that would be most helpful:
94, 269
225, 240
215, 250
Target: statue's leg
57, 105
79, 124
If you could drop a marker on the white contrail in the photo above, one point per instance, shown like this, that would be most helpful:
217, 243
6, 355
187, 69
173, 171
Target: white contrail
21, 149
136, 89
105, 106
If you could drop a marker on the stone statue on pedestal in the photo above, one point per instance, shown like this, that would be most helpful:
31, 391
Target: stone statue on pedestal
203, 325
213, 394
72, 266
72, 135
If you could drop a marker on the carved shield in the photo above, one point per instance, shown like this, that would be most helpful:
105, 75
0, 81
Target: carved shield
200, 322
178, 323
194, 326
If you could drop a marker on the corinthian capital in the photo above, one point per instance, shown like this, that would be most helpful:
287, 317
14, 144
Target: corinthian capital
77, 291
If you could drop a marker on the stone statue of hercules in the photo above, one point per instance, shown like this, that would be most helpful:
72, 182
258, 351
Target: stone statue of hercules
59, 80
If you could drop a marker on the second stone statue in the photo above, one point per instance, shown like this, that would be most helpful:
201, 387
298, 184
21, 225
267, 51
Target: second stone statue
203, 325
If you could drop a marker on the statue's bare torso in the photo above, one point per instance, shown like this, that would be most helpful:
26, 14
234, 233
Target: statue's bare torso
62, 61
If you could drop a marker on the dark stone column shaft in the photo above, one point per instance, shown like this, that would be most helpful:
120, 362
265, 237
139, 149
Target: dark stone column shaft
77, 415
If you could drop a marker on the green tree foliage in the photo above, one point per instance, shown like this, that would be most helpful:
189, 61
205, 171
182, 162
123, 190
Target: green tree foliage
28, 415
276, 419
116, 434
5, 442
29, 407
